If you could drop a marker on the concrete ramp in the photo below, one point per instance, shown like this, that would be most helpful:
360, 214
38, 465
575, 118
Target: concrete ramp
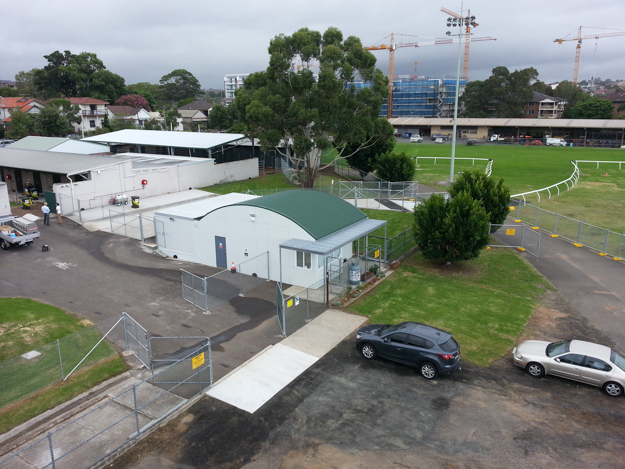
255, 382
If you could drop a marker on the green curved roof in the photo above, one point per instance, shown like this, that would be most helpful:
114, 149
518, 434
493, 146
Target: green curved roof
318, 213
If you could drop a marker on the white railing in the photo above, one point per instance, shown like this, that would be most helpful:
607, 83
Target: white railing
620, 163
489, 165
570, 182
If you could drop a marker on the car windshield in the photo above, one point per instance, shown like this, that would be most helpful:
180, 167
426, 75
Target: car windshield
617, 359
390, 329
450, 346
558, 348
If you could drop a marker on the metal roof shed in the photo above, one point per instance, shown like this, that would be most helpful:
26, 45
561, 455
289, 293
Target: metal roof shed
312, 227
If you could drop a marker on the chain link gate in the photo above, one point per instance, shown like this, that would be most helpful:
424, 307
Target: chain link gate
518, 236
194, 289
182, 365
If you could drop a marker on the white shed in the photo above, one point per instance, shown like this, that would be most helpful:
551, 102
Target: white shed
303, 231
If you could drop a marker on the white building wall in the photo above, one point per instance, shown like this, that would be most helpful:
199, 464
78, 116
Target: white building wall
194, 240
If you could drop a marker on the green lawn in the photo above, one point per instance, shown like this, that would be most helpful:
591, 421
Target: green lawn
28, 325
598, 199
485, 303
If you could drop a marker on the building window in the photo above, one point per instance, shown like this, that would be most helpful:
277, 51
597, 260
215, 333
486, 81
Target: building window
530, 113
92, 124
304, 259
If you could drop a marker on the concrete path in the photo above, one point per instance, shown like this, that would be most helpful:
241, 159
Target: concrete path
254, 383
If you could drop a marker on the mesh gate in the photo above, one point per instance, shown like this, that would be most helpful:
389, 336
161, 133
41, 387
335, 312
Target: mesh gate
518, 236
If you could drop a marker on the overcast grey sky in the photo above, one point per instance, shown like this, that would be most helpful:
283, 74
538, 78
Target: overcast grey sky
142, 40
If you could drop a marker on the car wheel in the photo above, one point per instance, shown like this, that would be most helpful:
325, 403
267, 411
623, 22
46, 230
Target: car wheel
613, 389
368, 351
4, 245
428, 370
536, 370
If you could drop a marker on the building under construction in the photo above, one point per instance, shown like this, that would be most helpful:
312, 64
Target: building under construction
415, 96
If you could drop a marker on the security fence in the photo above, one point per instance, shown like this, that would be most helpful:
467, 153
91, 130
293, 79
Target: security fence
207, 293
130, 225
518, 236
98, 432
396, 247
299, 308
22, 376
594, 237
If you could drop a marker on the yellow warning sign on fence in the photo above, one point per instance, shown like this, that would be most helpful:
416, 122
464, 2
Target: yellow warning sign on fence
289, 303
377, 253
510, 231
198, 360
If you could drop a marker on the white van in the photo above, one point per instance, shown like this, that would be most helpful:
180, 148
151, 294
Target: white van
555, 142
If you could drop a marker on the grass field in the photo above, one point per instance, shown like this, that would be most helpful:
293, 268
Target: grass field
597, 199
29, 387
485, 303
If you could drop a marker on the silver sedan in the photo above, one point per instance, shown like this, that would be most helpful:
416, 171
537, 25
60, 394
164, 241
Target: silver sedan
581, 361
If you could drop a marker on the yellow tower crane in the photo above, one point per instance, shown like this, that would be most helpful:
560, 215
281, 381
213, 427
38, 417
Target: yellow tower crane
579, 38
392, 46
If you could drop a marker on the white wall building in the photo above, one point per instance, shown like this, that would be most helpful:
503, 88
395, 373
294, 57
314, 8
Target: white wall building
92, 112
136, 116
304, 232
233, 83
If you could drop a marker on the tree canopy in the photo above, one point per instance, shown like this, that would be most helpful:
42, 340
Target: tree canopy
572, 94
76, 75
396, 167
21, 124
593, 108
451, 231
493, 195
134, 100
366, 158
303, 115
503, 94
54, 120
178, 85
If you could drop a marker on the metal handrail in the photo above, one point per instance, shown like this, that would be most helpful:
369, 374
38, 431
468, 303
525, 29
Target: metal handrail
572, 180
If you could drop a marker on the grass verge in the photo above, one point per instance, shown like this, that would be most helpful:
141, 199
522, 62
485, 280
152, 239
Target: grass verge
485, 303
25, 409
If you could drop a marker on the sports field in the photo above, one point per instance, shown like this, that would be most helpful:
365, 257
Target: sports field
597, 199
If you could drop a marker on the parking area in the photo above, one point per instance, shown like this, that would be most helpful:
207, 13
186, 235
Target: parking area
351, 413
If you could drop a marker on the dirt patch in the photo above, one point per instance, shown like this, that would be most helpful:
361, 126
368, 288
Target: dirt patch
454, 269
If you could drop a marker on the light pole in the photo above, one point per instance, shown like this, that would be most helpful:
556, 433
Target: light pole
459, 22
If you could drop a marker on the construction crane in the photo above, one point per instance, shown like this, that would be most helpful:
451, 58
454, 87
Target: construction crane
468, 24
579, 38
392, 46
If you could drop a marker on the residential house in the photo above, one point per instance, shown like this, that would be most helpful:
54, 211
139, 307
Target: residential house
618, 100
8, 105
7, 83
199, 105
544, 107
92, 112
137, 116
191, 115
233, 83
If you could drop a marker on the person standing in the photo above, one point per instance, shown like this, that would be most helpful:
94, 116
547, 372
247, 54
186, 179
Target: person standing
46, 214
58, 213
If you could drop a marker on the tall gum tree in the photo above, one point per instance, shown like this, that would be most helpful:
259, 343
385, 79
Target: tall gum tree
304, 116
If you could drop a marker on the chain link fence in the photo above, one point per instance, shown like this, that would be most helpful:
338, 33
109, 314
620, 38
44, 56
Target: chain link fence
597, 238
207, 293
22, 376
118, 420
518, 236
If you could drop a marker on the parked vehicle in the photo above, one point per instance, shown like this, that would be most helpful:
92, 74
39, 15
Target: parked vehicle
586, 362
431, 350
438, 140
5, 142
441, 136
497, 138
556, 142
407, 135
17, 231
416, 139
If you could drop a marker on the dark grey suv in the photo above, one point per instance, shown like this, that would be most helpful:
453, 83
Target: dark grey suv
431, 350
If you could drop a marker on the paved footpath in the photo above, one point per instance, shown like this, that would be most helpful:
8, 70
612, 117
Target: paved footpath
593, 284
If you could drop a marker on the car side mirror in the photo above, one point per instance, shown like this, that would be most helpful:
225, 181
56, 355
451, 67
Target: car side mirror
386, 339
557, 360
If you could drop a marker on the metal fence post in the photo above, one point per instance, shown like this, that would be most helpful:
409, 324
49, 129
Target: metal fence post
579, 232
605, 245
621, 246
125, 329
79, 211
205, 288
49, 436
58, 346
141, 226
134, 396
